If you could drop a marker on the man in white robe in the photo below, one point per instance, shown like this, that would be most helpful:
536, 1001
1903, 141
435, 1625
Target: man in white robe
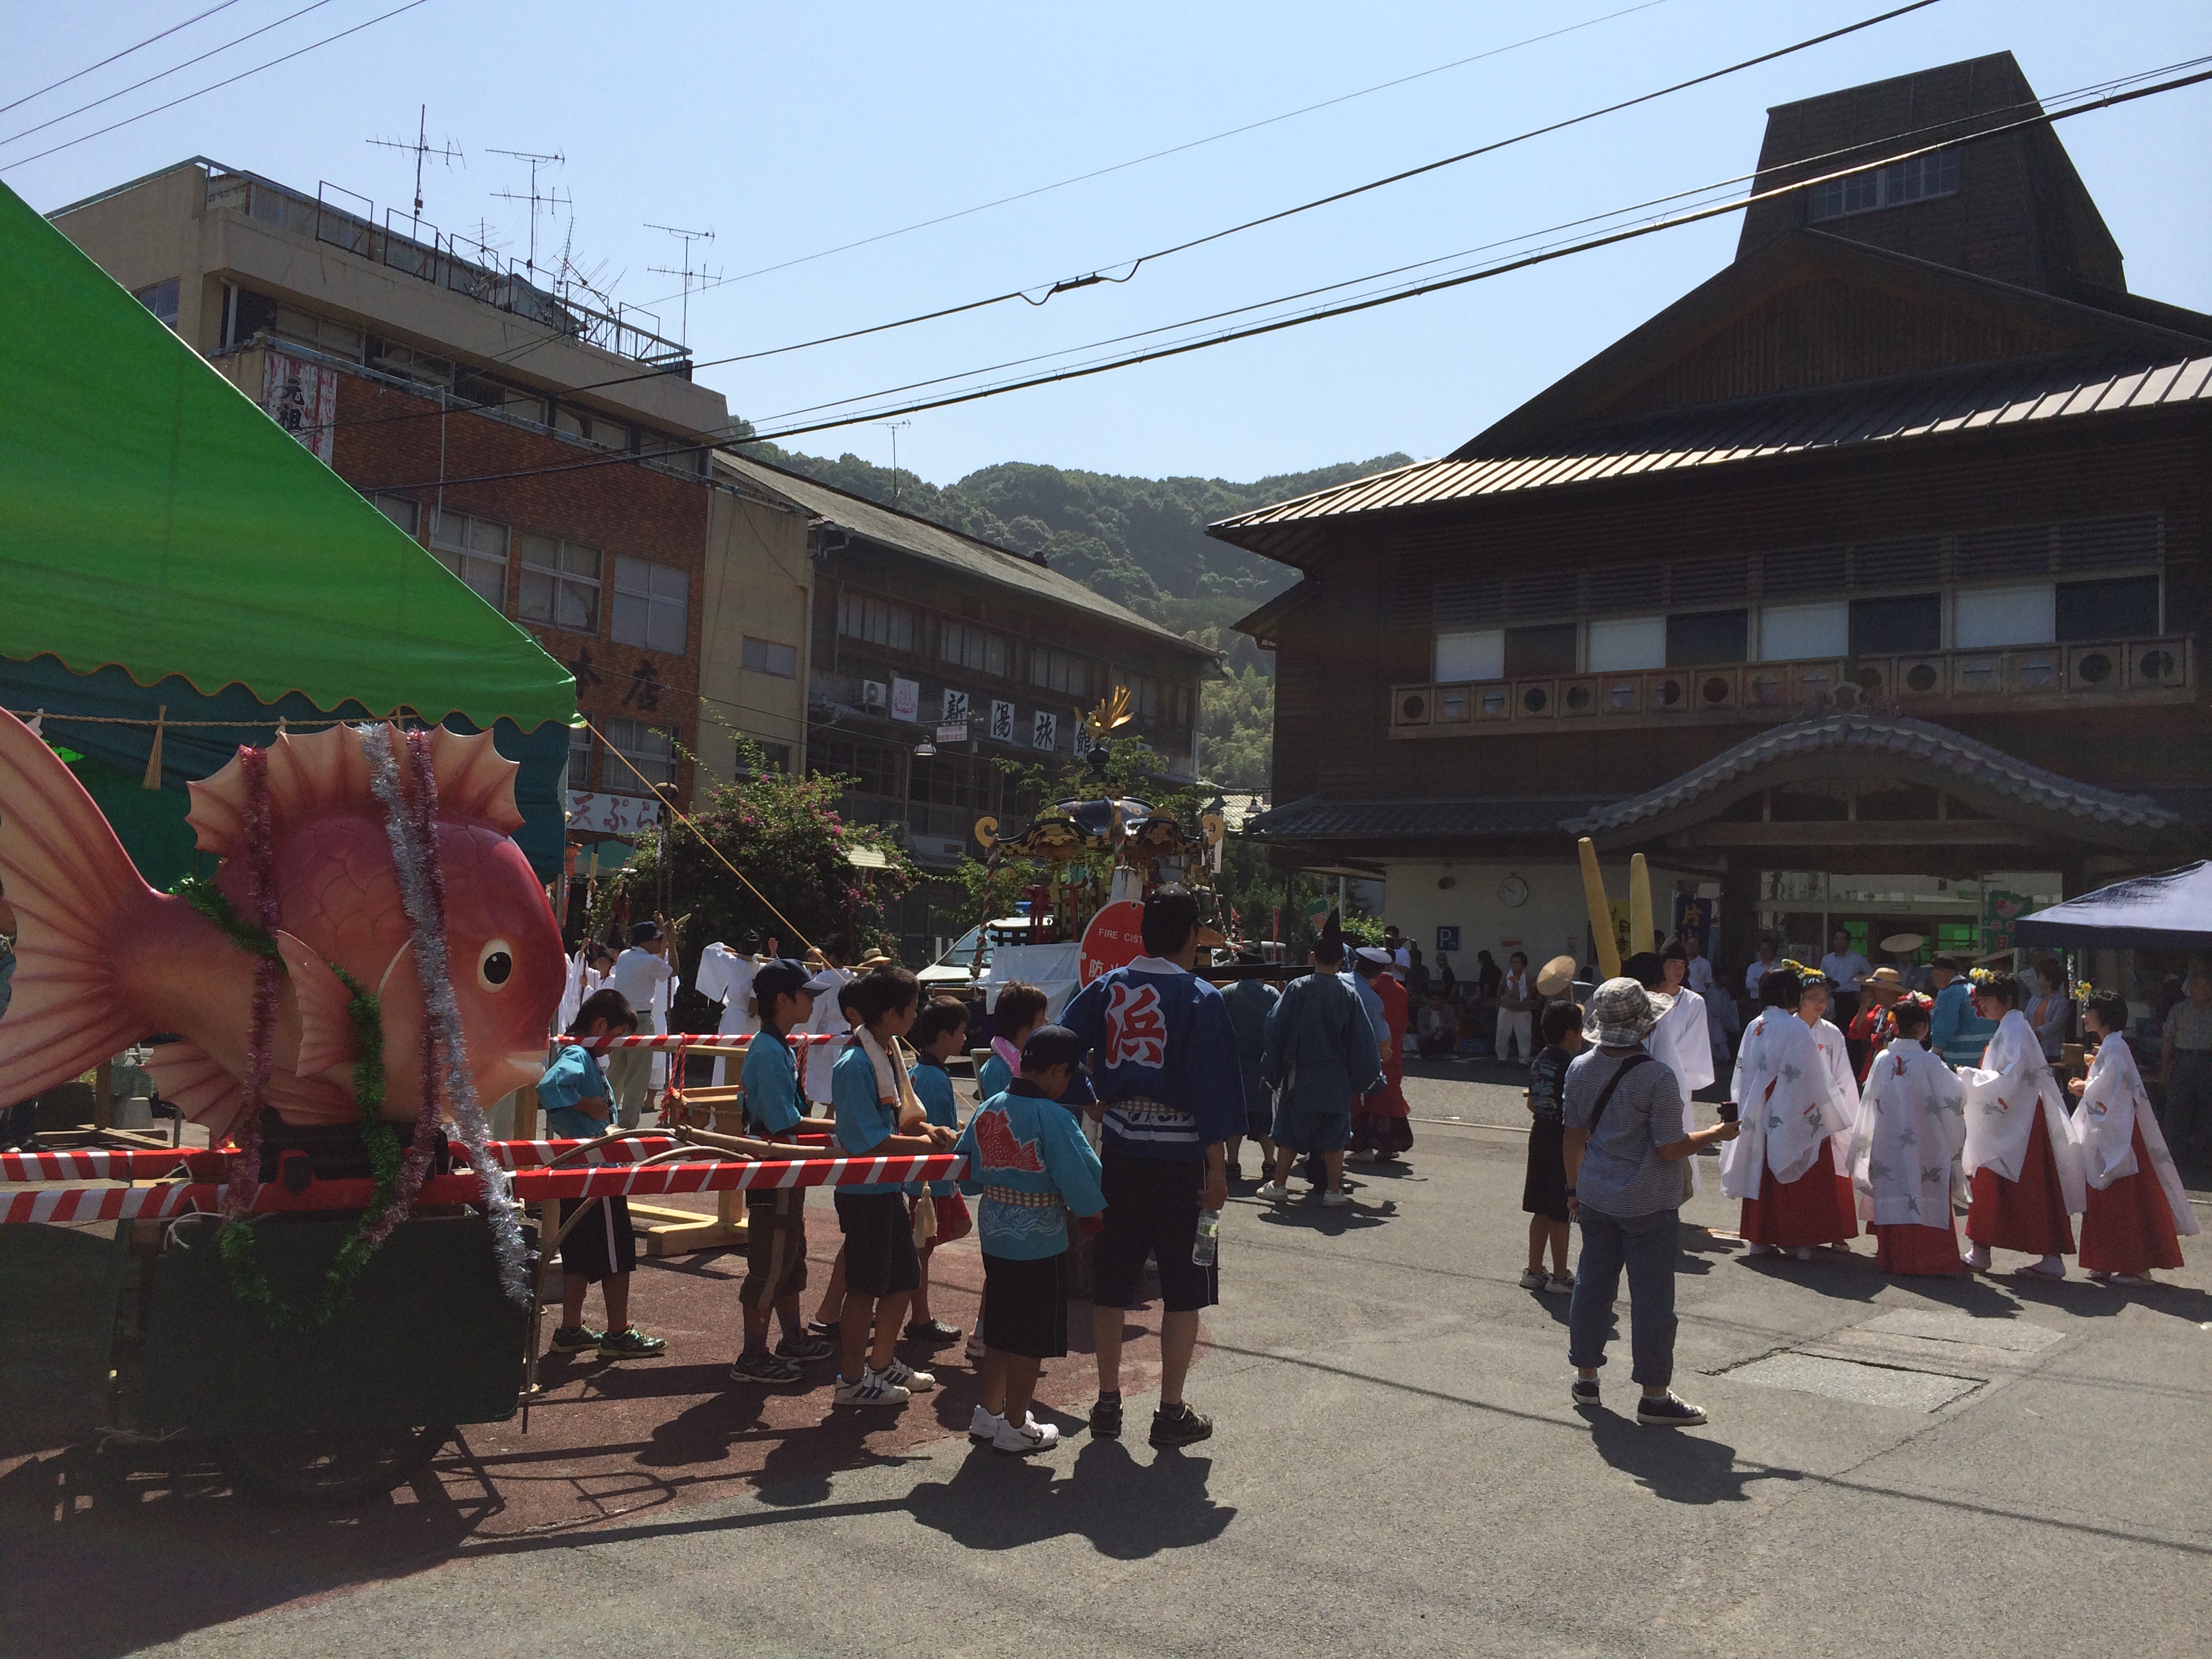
725, 975
826, 1020
1679, 1040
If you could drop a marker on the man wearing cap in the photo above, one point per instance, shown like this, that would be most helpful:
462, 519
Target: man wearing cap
1624, 1120
1170, 1095
639, 973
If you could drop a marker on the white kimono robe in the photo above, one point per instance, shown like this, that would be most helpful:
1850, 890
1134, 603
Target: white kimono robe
1911, 1132
1787, 1102
2113, 1107
1680, 1043
822, 1057
663, 994
2003, 1093
1842, 1087
726, 976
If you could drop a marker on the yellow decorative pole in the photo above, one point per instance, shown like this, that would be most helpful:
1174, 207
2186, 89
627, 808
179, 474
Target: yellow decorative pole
1641, 927
1608, 948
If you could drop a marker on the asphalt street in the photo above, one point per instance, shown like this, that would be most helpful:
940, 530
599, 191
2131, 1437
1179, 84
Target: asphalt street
1969, 1467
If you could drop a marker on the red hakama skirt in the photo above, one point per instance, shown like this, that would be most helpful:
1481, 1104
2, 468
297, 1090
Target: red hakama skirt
2029, 1214
1816, 1208
2129, 1227
1913, 1246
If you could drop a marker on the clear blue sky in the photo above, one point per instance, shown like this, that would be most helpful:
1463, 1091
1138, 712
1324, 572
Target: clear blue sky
791, 128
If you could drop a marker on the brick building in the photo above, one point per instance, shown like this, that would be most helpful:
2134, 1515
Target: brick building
1861, 586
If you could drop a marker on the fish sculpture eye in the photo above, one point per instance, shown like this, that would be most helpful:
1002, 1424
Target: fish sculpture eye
496, 964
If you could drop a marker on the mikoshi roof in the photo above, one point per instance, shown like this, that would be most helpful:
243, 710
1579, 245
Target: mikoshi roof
2169, 911
153, 518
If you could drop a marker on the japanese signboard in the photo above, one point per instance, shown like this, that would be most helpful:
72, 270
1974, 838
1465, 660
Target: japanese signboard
301, 399
612, 815
906, 700
1044, 731
956, 707
1114, 939
1002, 721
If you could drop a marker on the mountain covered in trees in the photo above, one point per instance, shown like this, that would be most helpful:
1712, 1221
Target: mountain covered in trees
1141, 541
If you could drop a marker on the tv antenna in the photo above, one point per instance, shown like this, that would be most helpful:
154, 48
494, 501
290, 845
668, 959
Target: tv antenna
892, 426
701, 276
422, 151
549, 201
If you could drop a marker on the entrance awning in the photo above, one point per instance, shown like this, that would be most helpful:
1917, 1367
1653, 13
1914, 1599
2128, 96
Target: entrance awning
2169, 911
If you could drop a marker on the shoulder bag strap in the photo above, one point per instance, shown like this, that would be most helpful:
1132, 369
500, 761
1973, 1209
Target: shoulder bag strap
1605, 1094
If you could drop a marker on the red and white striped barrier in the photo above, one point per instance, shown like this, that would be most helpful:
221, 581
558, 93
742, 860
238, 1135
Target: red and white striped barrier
98, 1164
536, 1154
707, 1042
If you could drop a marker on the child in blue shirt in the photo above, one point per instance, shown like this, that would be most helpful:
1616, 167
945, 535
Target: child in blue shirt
1027, 1156
599, 1249
877, 1116
776, 1220
938, 1035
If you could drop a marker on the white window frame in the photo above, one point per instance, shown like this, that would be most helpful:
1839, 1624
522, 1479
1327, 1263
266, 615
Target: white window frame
652, 605
1470, 654
571, 583
1623, 645
650, 748
474, 550
1991, 618
761, 656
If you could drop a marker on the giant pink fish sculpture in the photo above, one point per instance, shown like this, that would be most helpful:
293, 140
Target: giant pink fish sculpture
104, 961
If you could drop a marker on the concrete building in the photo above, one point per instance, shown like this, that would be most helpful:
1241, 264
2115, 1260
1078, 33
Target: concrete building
552, 454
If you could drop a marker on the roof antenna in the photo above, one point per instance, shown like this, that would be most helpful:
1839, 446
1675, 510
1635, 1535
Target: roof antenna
421, 152
537, 201
701, 276
893, 427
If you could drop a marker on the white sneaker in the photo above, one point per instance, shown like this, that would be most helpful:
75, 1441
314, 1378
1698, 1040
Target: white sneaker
870, 1390
1336, 1201
1533, 1280
1273, 1191
985, 1425
975, 1348
1031, 1437
899, 1375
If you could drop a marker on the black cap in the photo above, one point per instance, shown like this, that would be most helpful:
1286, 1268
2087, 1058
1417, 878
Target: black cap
781, 978
644, 932
1051, 1045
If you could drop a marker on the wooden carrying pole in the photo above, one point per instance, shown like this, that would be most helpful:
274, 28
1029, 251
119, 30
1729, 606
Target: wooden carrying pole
1608, 948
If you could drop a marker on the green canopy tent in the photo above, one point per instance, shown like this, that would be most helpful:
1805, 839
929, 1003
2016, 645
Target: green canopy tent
165, 544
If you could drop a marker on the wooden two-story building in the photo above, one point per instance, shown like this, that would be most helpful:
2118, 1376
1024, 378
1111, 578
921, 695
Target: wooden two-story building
1862, 586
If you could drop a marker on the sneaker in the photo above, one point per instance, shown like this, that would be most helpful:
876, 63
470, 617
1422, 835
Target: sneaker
804, 1348
870, 1390
1106, 1419
901, 1375
1236, 1172
975, 1349
985, 1425
1667, 1411
1583, 1391
632, 1344
932, 1333
827, 1330
1031, 1437
1559, 1285
1336, 1201
765, 1367
1179, 1425
1533, 1280
576, 1339
1274, 1192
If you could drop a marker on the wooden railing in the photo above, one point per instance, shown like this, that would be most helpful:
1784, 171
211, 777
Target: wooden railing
1933, 683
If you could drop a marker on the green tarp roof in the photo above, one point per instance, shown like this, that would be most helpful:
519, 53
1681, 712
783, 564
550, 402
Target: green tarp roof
152, 517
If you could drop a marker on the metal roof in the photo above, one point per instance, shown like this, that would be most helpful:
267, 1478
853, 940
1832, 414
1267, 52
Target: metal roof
969, 555
1933, 748
1915, 406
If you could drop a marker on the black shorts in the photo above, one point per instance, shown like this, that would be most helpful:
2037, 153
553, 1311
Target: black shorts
775, 1246
1025, 1305
879, 1254
1152, 1206
600, 1246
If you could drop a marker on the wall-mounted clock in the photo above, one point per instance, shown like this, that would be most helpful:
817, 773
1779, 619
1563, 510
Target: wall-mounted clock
1513, 892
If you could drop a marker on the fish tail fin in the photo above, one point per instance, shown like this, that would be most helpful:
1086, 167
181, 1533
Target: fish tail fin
71, 884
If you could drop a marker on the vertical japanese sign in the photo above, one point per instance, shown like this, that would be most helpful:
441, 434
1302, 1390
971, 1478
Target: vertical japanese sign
1002, 721
956, 707
1044, 731
906, 700
301, 399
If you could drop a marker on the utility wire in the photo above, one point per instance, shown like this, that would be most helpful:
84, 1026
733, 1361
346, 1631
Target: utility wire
1347, 308
211, 52
231, 81
1949, 125
117, 57
1172, 149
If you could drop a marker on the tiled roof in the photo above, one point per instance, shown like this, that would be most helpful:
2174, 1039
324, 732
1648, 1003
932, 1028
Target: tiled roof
941, 545
1313, 818
1921, 405
1931, 746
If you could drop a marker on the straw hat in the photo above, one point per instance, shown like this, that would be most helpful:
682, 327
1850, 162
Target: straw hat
1885, 981
1556, 975
1897, 944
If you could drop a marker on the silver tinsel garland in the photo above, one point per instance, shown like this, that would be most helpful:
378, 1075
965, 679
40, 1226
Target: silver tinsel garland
414, 855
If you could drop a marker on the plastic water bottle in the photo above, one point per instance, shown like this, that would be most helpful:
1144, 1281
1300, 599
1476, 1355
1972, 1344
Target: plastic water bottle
1209, 1238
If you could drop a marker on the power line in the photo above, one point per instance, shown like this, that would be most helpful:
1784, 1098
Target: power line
231, 81
1172, 149
212, 52
1347, 308
115, 56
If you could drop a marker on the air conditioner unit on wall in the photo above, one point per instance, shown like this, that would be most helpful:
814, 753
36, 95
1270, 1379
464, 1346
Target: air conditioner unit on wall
874, 694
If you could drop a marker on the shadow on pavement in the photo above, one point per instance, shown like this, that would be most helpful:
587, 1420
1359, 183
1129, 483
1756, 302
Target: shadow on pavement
1126, 1510
1679, 1465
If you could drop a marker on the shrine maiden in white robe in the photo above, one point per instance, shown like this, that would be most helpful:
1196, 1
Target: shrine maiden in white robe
2112, 1109
1907, 1149
1680, 1043
2003, 1095
1842, 1087
1788, 1101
